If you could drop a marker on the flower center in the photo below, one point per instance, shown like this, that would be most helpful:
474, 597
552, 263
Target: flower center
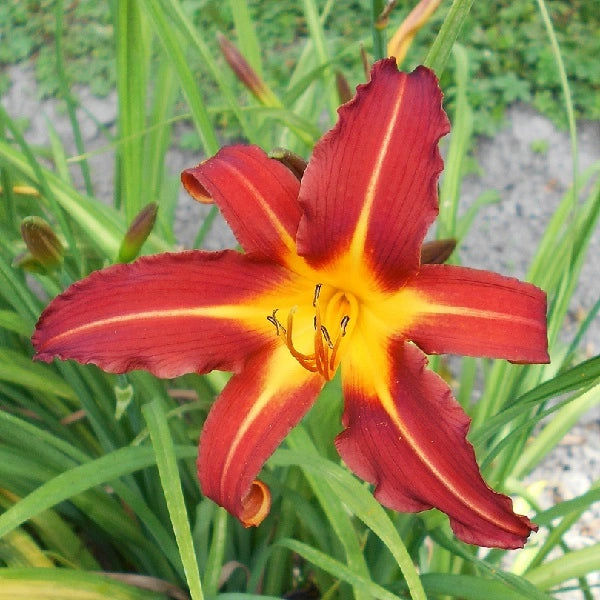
322, 327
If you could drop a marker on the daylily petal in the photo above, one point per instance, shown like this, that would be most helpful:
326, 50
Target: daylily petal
369, 191
257, 196
406, 434
476, 313
169, 314
250, 418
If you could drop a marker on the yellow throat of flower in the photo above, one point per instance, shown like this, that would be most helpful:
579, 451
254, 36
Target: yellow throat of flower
333, 314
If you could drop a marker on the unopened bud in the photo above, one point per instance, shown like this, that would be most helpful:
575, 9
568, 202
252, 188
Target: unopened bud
245, 73
27, 262
343, 88
400, 43
138, 232
41, 241
365, 63
381, 22
295, 163
437, 251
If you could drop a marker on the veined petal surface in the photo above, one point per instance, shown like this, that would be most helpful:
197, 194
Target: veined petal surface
169, 314
476, 313
250, 418
369, 192
405, 433
257, 195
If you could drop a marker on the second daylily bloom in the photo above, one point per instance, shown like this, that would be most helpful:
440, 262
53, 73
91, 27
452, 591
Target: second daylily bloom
331, 278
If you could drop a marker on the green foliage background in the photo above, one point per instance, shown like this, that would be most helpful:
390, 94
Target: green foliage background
97, 471
506, 43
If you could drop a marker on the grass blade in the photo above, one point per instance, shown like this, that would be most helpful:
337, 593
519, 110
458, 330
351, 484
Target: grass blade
575, 564
133, 53
442, 46
361, 502
338, 569
59, 584
166, 460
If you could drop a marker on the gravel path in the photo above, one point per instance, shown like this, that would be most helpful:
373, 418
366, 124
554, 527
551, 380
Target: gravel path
503, 238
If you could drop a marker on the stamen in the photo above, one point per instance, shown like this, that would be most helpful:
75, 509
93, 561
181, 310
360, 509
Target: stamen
275, 321
326, 336
324, 359
343, 324
289, 341
317, 292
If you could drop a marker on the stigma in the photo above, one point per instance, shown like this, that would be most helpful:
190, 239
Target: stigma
320, 329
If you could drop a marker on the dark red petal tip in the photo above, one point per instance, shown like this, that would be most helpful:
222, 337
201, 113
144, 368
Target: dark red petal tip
406, 434
255, 411
370, 188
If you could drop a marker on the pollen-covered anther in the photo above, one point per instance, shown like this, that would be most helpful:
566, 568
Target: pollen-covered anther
325, 354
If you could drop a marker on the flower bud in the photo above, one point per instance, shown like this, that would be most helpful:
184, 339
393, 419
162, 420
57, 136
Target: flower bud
343, 88
295, 163
437, 251
245, 73
400, 43
28, 263
381, 22
43, 244
138, 232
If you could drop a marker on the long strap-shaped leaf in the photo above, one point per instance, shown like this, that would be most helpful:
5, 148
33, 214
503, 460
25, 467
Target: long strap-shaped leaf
166, 460
362, 503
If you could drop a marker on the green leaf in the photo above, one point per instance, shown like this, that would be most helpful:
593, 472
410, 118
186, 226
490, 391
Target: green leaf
331, 503
103, 226
462, 129
21, 370
132, 59
574, 564
81, 478
517, 584
442, 46
62, 584
338, 569
469, 587
14, 322
567, 507
358, 499
555, 430
576, 378
166, 460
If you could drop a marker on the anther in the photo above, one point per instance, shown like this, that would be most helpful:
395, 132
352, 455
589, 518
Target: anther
275, 321
326, 336
344, 324
317, 292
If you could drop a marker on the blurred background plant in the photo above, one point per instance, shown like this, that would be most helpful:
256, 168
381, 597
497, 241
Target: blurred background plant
97, 474
509, 58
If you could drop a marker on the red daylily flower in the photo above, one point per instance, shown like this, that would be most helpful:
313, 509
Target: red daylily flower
331, 277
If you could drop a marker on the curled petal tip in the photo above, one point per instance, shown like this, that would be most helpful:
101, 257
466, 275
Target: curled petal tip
194, 188
256, 505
